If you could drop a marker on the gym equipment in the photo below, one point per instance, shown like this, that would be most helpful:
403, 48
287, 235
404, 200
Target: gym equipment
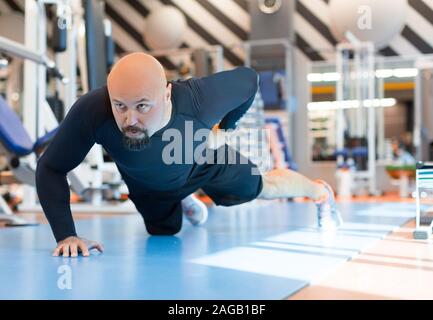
356, 86
59, 36
424, 182
18, 50
271, 89
250, 139
15, 144
9, 217
279, 148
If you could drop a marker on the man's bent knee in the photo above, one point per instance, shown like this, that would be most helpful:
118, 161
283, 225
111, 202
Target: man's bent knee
162, 230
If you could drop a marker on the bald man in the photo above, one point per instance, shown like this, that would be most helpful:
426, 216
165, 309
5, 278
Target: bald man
129, 118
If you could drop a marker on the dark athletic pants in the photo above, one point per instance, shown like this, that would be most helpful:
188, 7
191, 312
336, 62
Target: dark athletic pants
226, 184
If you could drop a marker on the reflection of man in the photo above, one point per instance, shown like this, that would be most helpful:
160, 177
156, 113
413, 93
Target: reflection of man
128, 118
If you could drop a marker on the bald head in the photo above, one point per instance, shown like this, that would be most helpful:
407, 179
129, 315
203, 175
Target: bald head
136, 73
140, 97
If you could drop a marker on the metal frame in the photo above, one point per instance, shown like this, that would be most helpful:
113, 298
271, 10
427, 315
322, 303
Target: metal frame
363, 66
423, 230
6, 213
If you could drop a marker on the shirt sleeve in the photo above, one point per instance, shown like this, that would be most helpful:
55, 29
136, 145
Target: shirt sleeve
224, 97
72, 142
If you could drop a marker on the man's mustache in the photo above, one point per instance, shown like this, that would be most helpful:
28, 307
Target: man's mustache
134, 129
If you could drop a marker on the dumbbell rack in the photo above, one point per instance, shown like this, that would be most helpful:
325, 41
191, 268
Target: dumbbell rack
424, 180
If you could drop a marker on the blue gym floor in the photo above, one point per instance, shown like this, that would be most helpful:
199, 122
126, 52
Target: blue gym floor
266, 251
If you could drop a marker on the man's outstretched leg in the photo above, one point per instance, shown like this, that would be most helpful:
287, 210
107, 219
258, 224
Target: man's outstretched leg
285, 183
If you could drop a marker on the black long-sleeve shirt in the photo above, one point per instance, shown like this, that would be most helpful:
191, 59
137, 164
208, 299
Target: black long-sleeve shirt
222, 97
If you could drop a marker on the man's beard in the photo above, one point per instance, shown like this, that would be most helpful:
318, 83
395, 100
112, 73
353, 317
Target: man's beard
135, 144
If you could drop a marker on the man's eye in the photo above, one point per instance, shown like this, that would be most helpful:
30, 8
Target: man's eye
119, 106
143, 107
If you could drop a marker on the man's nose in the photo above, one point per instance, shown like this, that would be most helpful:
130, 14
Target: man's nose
131, 118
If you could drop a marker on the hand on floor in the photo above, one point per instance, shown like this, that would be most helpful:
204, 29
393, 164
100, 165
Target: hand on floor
71, 246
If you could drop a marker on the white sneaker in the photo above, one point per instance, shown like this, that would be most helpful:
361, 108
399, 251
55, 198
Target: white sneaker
194, 210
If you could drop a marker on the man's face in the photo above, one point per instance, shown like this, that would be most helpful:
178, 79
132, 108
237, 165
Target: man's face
139, 113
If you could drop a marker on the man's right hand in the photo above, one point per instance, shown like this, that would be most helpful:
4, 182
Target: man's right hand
71, 246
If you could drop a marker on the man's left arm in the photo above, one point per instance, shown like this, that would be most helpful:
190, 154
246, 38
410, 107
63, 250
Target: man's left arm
224, 97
